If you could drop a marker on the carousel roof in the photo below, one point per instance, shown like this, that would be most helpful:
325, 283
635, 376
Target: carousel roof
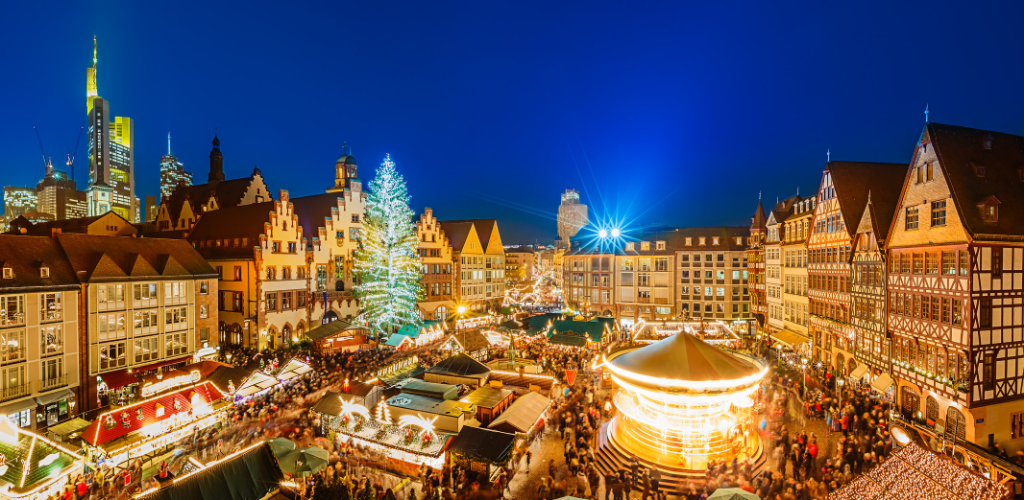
684, 357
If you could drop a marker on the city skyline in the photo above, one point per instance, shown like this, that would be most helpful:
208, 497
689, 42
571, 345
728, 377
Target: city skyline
510, 110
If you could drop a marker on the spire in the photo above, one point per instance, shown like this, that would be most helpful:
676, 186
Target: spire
828, 155
216, 162
168, 144
91, 89
926, 113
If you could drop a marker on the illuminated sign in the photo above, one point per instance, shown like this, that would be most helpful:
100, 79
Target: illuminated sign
49, 459
153, 389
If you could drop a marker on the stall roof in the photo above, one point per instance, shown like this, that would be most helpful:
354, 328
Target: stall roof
523, 413
125, 420
471, 340
430, 389
792, 339
334, 327
251, 474
224, 376
330, 403
461, 365
412, 371
483, 444
256, 382
570, 339
69, 428
593, 330
487, 397
541, 320
397, 339
293, 368
17, 446
433, 406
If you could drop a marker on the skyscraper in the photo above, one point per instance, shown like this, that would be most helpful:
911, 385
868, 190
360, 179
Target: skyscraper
59, 195
19, 201
172, 173
111, 161
572, 215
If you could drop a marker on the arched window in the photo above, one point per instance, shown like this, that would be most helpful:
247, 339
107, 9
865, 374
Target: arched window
841, 362
956, 424
286, 333
931, 409
910, 402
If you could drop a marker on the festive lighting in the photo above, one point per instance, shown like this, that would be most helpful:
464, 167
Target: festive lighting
616, 232
426, 426
387, 262
349, 408
684, 423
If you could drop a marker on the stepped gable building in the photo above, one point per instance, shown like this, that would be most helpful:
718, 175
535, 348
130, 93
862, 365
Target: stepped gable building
331, 225
181, 210
438, 268
259, 253
842, 196
956, 264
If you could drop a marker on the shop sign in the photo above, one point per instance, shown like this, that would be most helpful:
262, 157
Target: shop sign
155, 388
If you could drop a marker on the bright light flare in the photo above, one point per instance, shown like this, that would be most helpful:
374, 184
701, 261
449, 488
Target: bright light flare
616, 233
603, 233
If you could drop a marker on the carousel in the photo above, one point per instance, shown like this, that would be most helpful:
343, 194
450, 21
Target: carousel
683, 403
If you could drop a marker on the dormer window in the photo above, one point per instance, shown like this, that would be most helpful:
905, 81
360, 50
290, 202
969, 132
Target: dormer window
703, 240
989, 208
660, 245
739, 240
979, 170
987, 142
629, 247
645, 245
44, 272
689, 242
8, 273
714, 240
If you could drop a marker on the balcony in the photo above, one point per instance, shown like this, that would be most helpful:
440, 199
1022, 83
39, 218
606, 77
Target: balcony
53, 383
643, 300
15, 391
661, 300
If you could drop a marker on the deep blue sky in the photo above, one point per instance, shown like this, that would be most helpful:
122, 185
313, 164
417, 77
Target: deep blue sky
685, 110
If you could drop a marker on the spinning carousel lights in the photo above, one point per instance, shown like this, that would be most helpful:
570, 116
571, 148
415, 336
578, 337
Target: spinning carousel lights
693, 385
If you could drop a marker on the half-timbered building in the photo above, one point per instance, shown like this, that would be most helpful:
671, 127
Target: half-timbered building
756, 269
796, 307
955, 285
872, 346
842, 196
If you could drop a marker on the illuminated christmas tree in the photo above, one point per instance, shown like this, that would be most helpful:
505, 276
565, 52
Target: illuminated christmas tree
387, 262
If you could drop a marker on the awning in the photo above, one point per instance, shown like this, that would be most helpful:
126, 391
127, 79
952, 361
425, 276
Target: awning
292, 369
121, 378
792, 339
18, 407
882, 383
859, 372
46, 399
68, 429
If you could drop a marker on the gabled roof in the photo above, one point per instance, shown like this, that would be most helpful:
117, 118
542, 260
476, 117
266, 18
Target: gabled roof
323, 331
457, 233
483, 444
784, 208
229, 193
76, 225
116, 257
471, 340
853, 180
252, 474
27, 255
312, 212
522, 414
125, 420
246, 221
759, 217
959, 150
881, 209
590, 329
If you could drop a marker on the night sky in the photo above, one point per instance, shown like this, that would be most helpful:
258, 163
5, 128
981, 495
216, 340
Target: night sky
672, 112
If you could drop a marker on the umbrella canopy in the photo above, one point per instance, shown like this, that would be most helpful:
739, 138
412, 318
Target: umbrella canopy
304, 462
569, 498
280, 446
732, 494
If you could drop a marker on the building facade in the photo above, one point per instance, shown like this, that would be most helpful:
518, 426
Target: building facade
479, 259
172, 173
39, 327
796, 306
438, 268
955, 285
19, 201
111, 155
59, 196
521, 262
572, 215
756, 279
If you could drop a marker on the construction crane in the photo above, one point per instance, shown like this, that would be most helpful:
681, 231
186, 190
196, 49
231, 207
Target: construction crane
71, 157
41, 150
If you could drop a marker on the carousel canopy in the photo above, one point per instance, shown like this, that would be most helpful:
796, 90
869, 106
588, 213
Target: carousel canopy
684, 357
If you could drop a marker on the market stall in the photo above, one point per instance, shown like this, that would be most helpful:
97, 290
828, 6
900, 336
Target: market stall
249, 474
483, 450
459, 369
256, 383
32, 466
338, 336
69, 432
524, 416
153, 424
295, 367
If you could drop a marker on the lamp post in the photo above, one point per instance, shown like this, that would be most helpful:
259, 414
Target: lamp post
803, 367
458, 326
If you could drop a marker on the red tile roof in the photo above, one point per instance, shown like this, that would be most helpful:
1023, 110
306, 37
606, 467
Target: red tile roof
854, 180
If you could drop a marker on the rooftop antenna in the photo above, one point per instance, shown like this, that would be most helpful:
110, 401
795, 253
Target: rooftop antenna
168, 144
828, 155
71, 158
926, 113
41, 150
